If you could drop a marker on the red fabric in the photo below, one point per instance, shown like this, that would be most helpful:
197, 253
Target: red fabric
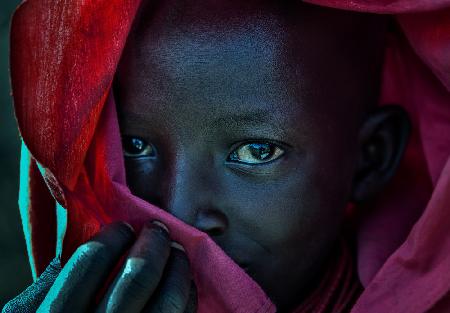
385, 6
63, 58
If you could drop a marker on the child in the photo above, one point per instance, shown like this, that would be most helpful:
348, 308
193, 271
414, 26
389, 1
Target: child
255, 123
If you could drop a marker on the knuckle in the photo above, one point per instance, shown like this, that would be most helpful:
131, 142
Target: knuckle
175, 299
172, 303
139, 276
137, 283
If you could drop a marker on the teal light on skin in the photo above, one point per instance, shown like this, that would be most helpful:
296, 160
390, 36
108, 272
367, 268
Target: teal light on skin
24, 203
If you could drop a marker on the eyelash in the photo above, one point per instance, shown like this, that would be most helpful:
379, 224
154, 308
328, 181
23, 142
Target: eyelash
247, 150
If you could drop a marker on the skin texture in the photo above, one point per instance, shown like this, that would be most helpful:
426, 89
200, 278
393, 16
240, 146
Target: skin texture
198, 84
254, 122
152, 266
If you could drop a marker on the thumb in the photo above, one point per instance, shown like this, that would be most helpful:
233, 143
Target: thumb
30, 299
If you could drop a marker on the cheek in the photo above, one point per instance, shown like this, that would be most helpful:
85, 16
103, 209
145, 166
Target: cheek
300, 209
274, 211
271, 212
143, 179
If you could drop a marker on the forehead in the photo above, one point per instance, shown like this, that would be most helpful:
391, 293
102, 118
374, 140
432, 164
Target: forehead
273, 56
235, 64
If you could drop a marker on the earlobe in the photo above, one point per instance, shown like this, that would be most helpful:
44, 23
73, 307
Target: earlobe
382, 141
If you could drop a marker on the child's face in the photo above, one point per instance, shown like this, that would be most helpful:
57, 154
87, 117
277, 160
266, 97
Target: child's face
247, 130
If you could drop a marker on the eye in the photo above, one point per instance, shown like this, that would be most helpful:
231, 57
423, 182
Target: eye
135, 147
256, 153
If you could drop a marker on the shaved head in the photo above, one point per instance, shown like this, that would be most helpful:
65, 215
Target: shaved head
318, 51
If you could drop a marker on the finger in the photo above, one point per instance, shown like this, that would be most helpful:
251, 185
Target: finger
141, 273
30, 299
191, 306
87, 269
173, 294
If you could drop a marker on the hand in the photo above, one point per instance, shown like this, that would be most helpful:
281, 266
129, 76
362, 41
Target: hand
155, 276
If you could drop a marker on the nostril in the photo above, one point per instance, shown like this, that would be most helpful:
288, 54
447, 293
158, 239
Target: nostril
214, 223
214, 231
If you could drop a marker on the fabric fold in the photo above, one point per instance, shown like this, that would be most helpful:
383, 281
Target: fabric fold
63, 59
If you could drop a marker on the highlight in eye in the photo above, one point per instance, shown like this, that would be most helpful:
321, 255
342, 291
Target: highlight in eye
256, 153
135, 147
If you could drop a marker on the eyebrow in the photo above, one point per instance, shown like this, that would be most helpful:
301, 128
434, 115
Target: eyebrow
252, 117
231, 120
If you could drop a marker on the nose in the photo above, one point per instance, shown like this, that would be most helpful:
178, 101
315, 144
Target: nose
190, 193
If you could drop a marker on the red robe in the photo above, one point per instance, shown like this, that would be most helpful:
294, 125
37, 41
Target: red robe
63, 58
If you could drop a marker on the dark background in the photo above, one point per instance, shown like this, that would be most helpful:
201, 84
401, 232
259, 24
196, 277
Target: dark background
15, 272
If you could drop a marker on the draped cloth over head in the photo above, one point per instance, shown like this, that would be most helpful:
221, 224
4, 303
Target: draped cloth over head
63, 58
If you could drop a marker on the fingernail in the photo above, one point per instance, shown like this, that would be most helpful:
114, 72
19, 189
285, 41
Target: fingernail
176, 245
158, 223
120, 226
128, 226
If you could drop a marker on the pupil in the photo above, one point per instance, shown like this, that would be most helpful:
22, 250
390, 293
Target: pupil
137, 144
260, 151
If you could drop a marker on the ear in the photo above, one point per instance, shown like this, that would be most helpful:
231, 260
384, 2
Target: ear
382, 142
